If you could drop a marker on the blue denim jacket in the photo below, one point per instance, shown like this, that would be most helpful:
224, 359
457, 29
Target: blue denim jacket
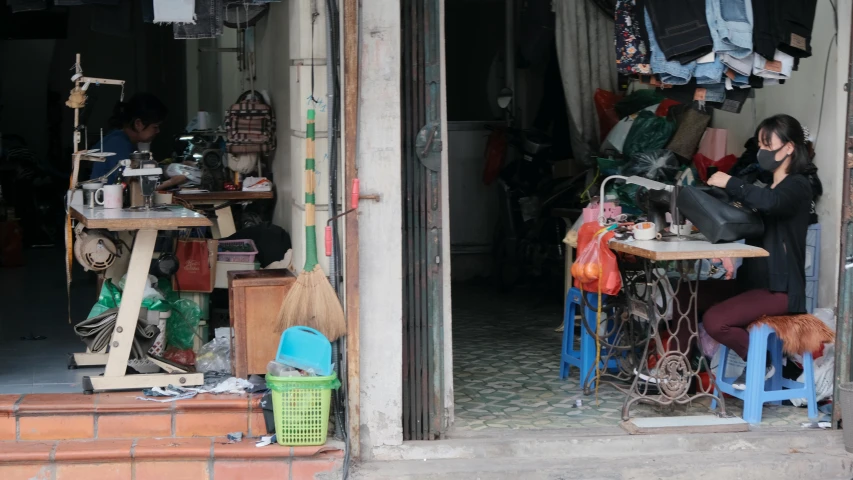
730, 22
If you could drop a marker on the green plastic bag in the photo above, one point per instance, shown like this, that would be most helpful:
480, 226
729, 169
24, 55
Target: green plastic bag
182, 325
110, 297
637, 101
648, 133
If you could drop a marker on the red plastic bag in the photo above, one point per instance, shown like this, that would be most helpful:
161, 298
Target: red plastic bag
495, 154
595, 268
197, 265
605, 106
183, 357
665, 105
702, 163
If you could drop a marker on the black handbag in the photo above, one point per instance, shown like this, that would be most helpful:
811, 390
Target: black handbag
717, 216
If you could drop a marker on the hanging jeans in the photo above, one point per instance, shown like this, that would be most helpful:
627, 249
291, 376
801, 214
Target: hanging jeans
730, 22
673, 72
681, 28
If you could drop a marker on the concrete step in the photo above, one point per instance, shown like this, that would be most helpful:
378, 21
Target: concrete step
75, 416
739, 466
570, 444
609, 455
201, 458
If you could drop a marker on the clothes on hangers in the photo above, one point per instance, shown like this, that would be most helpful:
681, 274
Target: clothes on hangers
673, 72
730, 22
680, 29
742, 66
174, 11
796, 27
632, 44
779, 68
210, 15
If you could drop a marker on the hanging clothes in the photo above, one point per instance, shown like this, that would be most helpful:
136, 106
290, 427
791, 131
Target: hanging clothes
796, 27
587, 62
632, 45
681, 29
730, 22
209, 21
779, 68
672, 72
785, 25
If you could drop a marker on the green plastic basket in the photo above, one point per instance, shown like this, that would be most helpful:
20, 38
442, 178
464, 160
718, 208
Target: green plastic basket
301, 408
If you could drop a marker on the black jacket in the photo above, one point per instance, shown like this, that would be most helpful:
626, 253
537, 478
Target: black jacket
785, 210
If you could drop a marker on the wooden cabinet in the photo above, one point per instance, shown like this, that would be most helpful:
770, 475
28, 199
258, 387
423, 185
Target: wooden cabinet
255, 300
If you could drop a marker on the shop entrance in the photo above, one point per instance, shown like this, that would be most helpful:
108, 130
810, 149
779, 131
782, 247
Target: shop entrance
36, 336
509, 216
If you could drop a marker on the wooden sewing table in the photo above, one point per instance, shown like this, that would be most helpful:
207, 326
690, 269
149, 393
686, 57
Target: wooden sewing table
224, 226
146, 224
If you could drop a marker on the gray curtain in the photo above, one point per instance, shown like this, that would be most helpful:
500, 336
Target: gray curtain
585, 47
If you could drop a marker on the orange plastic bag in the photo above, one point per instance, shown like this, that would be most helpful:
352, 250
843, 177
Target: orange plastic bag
596, 267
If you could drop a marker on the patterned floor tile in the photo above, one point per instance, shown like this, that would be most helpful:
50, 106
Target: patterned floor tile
506, 371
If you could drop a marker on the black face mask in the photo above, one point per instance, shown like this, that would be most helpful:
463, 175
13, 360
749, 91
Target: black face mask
767, 159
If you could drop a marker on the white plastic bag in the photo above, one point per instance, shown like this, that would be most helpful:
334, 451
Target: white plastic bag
616, 138
214, 356
824, 376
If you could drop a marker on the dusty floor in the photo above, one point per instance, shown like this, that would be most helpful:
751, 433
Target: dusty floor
33, 300
506, 370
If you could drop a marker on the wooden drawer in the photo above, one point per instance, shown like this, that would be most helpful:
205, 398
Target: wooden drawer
255, 300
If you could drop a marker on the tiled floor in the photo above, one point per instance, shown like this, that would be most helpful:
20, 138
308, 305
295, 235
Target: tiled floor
33, 302
506, 370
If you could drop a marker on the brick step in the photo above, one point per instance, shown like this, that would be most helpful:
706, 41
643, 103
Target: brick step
72, 416
166, 458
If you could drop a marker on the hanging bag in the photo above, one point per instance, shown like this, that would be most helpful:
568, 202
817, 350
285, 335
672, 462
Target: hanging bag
717, 216
250, 125
596, 268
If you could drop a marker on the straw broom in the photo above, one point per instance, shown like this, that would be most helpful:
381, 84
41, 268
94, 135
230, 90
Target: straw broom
312, 302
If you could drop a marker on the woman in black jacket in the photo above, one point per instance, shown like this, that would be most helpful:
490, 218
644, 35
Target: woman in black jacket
773, 285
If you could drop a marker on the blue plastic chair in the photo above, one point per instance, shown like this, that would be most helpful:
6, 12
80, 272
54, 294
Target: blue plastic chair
306, 349
762, 339
583, 359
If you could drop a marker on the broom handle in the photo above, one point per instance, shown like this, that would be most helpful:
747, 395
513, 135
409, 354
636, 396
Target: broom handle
311, 260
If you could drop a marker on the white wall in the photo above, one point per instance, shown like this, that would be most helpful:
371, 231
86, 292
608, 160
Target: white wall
800, 97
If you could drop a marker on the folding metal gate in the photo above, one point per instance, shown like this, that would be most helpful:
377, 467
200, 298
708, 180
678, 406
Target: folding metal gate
422, 262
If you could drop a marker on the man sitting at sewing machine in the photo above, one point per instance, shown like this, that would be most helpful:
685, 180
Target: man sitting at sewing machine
135, 121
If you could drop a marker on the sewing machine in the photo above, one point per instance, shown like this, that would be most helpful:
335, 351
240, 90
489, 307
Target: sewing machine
148, 175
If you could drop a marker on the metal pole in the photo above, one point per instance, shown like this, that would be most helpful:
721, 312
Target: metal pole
844, 322
509, 55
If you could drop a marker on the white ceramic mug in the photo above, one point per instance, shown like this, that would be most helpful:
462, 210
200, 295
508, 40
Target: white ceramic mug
112, 196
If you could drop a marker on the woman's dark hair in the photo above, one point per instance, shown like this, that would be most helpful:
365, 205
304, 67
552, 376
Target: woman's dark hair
788, 129
142, 106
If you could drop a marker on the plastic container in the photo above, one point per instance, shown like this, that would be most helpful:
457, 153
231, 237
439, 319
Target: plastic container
222, 269
245, 257
301, 408
846, 399
306, 349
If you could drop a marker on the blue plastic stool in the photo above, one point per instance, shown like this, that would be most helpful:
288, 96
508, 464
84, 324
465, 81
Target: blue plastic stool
763, 338
583, 359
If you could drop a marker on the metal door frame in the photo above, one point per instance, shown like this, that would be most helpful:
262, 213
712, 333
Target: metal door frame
422, 128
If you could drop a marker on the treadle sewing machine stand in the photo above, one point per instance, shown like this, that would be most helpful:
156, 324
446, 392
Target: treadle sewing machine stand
146, 223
